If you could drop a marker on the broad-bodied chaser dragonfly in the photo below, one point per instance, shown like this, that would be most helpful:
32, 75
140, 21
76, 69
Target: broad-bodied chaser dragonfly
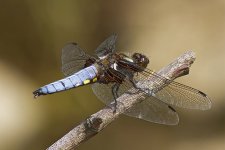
113, 74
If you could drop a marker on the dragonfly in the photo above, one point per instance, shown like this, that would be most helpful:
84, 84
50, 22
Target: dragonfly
112, 74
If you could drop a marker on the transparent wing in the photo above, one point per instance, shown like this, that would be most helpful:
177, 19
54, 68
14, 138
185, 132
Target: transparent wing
107, 46
104, 91
150, 109
73, 58
176, 94
154, 110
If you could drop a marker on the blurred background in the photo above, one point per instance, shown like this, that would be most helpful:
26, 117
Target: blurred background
32, 34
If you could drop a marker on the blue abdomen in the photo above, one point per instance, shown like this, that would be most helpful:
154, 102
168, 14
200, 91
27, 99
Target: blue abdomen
82, 77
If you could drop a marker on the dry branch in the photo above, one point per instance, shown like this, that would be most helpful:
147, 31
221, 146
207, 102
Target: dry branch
98, 121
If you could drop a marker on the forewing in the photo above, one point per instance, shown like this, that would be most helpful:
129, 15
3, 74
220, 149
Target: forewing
73, 58
106, 47
174, 93
183, 96
154, 110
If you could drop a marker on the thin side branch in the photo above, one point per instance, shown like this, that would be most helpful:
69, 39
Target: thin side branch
98, 121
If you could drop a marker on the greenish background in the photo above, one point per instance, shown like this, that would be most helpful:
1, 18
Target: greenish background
32, 33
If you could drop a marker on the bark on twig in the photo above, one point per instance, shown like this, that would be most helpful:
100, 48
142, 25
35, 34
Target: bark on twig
98, 121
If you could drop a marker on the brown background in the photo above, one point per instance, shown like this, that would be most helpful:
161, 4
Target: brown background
32, 34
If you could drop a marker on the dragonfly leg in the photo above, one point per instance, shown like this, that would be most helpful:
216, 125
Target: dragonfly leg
115, 89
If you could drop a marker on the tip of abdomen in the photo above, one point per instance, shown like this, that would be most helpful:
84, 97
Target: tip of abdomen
38, 92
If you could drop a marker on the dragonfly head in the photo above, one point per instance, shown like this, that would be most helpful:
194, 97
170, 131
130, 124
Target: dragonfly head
140, 60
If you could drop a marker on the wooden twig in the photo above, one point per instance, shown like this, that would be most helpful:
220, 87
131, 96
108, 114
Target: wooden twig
98, 121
